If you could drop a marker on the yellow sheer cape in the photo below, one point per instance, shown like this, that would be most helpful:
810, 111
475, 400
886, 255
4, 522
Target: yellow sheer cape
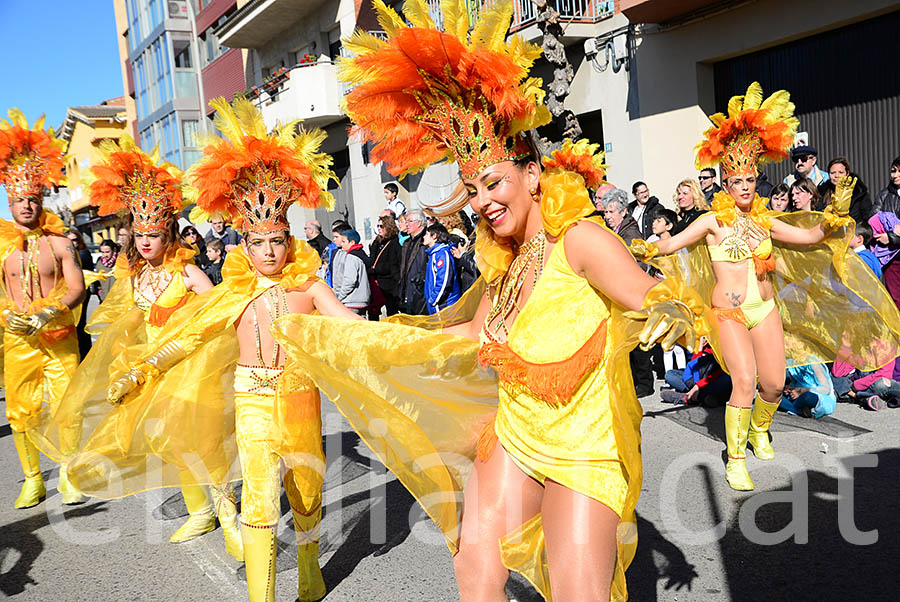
420, 400
182, 419
831, 304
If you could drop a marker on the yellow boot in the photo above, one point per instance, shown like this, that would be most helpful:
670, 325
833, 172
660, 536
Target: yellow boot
310, 584
203, 516
762, 416
33, 489
259, 560
226, 510
737, 424
68, 491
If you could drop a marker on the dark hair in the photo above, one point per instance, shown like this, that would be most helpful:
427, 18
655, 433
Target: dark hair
780, 188
109, 243
668, 215
807, 185
390, 227
467, 223
439, 232
865, 230
637, 185
216, 245
840, 160
339, 226
350, 234
712, 170
79, 238
896, 161
170, 237
392, 187
188, 229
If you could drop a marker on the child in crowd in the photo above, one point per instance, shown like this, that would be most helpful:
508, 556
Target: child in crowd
808, 391
702, 381
873, 390
662, 225
215, 253
441, 284
351, 273
861, 243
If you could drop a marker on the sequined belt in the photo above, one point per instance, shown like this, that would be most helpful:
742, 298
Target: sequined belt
256, 379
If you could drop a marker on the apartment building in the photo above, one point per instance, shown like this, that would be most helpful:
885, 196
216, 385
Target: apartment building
646, 75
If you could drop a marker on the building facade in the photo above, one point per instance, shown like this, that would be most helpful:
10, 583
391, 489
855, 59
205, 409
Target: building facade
645, 76
84, 128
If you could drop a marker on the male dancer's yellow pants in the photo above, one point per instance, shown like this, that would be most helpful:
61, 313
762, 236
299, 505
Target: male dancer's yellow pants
275, 431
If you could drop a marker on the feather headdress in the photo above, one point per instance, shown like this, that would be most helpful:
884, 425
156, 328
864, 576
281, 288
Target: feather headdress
257, 176
424, 95
754, 133
128, 178
31, 158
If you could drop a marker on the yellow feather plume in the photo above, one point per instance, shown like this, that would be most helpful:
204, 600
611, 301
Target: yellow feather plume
18, 118
250, 117
416, 11
362, 42
388, 18
734, 105
754, 96
456, 19
492, 25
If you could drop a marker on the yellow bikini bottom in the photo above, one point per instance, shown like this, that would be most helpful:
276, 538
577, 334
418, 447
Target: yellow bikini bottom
753, 309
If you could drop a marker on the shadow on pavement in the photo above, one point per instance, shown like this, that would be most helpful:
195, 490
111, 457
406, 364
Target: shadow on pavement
824, 555
20, 547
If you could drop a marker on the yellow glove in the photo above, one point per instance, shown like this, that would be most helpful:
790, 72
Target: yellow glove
666, 323
642, 250
124, 385
37, 321
843, 193
164, 358
15, 322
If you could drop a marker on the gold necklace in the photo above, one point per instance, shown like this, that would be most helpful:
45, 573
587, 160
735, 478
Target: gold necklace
31, 281
276, 306
156, 278
531, 253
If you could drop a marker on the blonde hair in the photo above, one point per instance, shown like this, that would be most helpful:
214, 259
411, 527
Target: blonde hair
696, 194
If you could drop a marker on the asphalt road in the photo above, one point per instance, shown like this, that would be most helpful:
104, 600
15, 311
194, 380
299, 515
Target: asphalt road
806, 533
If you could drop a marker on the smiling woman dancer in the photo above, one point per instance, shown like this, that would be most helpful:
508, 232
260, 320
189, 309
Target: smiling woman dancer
740, 235
155, 276
559, 468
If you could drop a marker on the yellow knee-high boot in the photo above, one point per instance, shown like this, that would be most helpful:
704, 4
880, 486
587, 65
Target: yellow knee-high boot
737, 425
226, 510
199, 505
33, 490
260, 550
68, 491
310, 584
762, 416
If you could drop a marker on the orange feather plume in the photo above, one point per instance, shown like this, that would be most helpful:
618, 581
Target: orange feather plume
31, 158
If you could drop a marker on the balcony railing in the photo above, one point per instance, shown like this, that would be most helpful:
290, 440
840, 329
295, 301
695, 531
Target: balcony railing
525, 11
309, 92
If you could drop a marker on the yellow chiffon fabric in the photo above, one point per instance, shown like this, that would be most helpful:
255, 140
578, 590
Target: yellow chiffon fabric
421, 400
184, 418
122, 449
831, 304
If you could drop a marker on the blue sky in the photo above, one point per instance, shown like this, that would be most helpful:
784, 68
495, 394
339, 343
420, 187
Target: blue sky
56, 54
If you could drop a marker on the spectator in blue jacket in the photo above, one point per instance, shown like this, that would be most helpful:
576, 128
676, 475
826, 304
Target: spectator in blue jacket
441, 285
861, 243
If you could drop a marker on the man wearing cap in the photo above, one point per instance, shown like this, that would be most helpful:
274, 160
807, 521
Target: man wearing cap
804, 158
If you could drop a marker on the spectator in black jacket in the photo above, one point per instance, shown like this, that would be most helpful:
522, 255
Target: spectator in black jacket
643, 208
763, 185
385, 253
314, 236
215, 255
192, 237
412, 265
708, 184
87, 263
890, 194
860, 203
691, 203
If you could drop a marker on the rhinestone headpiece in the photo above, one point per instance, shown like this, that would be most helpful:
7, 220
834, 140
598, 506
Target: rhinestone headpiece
31, 159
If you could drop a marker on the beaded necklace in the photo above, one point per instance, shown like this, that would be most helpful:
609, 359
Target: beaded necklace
531, 253
275, 302
28, 267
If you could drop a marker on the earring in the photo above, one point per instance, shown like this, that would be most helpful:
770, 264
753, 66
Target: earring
534, 194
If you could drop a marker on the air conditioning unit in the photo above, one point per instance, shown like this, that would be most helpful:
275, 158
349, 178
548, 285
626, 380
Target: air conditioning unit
178, 9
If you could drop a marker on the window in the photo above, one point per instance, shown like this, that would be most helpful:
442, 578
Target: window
189, 130
182, 54
162, 89
143, 104
135, 24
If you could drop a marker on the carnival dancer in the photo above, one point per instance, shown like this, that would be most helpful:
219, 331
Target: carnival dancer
551, 497
255, 178
746, 243
42, 290
154, 277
